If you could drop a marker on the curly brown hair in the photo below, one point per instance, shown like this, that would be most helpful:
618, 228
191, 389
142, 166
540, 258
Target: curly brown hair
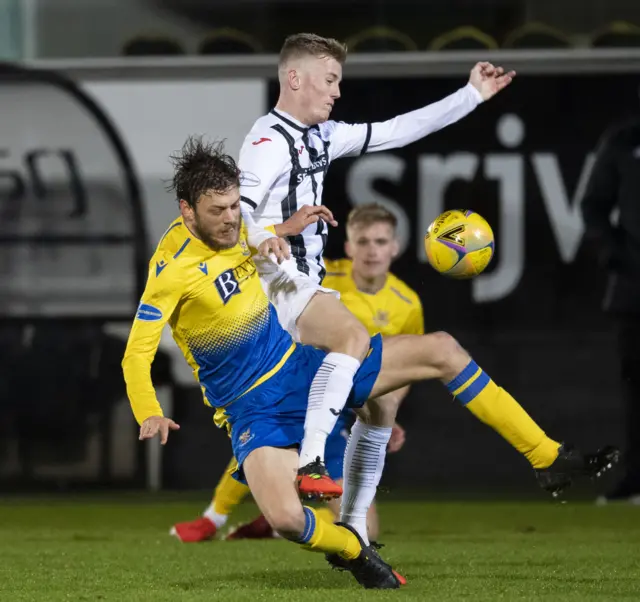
202, 166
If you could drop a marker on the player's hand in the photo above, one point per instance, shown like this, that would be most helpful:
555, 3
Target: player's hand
276, 246
397, 439
303, 217
489, 80
157, 424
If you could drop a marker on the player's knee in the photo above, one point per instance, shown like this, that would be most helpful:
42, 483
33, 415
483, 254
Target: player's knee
288, 521
391, 402
447, 354
356, 340
382, 410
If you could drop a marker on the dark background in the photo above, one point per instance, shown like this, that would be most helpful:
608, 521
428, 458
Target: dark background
547, 341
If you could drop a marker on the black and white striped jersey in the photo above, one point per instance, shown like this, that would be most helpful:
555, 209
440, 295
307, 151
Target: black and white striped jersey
284, 163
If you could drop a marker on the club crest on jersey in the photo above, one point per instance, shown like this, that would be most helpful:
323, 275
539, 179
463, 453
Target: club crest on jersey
381, 318
245, 437
245, 248
148, 313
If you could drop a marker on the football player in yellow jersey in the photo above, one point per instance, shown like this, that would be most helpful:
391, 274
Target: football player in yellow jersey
384, 304
203, 282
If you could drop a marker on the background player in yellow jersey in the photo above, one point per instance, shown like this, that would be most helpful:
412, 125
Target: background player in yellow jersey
203, 282
383, 304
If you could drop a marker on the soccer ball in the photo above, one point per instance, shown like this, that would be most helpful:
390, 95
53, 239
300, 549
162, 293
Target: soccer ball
459, 244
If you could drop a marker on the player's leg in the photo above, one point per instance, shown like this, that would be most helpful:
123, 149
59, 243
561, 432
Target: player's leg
327, 324
271, 475
259, 528
228, 494
407, 359
314, 315
365, 458
410, 358
332, 513
363, 465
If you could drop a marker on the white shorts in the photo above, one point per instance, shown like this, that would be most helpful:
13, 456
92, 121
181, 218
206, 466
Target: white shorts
289, 290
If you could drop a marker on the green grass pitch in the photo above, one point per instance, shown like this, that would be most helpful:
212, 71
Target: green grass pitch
118, 548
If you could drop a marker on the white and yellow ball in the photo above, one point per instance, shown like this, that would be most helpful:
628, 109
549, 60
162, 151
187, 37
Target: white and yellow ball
459, 244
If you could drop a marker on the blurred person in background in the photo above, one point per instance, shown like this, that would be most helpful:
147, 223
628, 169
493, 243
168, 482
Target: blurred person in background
614, 184
383, 304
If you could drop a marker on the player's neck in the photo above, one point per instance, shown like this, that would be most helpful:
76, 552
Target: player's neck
291, 110
369, 285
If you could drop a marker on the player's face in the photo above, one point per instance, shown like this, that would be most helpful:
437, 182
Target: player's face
215, 219
319, 88
372, 249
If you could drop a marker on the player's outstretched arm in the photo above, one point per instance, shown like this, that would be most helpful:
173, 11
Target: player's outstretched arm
161, 296
485, 81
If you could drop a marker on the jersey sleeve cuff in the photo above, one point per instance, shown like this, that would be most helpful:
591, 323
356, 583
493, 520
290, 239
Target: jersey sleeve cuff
474, 94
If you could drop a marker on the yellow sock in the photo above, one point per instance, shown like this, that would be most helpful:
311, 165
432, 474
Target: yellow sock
494, 406
321, 536
325, 514
229, 492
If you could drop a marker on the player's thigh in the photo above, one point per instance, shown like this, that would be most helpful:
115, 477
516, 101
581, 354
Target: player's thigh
407, 359
271, 474
327, 324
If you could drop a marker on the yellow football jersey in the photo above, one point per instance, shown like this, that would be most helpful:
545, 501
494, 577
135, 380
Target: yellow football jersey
219, 315
394, 309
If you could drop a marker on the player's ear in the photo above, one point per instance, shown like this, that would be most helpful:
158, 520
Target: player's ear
294, 79
348, 250
395, 248
185, 209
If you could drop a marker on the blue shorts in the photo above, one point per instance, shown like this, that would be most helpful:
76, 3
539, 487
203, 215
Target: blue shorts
273, 414
337, 444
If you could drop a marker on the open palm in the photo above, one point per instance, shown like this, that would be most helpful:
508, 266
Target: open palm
489, 80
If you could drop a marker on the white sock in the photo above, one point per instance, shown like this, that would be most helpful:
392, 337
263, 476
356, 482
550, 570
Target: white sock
363, 464
219, 520
327, 397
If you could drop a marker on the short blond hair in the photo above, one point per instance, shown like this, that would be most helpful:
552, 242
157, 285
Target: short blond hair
310, 44
367, 215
